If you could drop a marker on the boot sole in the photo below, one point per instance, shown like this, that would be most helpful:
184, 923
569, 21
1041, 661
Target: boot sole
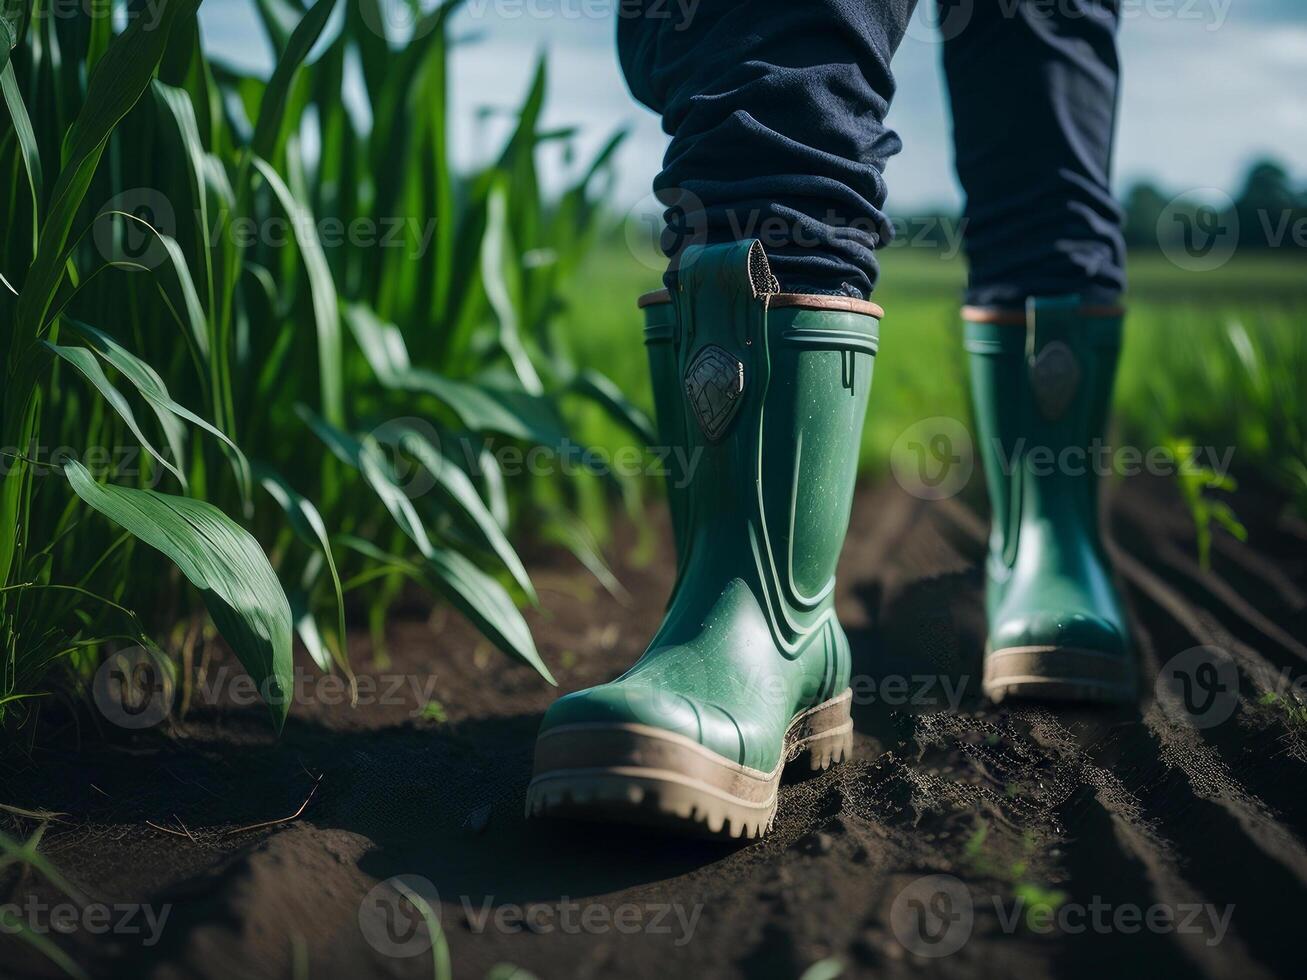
639, 774
1053, 673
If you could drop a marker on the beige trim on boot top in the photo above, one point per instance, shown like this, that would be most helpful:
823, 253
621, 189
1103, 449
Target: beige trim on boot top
807, 301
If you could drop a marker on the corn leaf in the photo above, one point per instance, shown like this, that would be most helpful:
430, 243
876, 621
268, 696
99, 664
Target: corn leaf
119, 80
485, 602
279, 18
457, 488
471, 591
27, 147
308, 524
500, 269
306, 628
11, 26
84, 361
274, 122
567, 530
365, 458
222, 560
601, 389
178, 105
481, 408
322, 290
152, 388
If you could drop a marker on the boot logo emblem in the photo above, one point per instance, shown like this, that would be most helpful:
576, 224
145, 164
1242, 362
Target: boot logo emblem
1055, 377
714, 383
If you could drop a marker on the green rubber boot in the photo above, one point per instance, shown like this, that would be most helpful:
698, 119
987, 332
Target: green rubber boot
1041, 385
765, 394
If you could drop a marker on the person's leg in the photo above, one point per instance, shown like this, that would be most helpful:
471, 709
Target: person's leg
1034, 90
776, 112
760, 379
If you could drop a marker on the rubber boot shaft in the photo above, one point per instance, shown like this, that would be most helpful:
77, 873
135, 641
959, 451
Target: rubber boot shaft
1041, 390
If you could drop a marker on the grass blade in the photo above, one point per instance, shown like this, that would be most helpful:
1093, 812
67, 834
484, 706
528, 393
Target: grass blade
571, 533
178, 105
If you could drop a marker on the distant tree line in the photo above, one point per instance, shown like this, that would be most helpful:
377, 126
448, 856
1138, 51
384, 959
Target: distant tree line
1268, 212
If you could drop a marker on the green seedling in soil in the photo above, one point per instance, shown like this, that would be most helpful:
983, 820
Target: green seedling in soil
1287, 706
1195, 482
433, 710
1038, 901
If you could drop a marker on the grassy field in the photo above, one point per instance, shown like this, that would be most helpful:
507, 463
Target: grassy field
1217, 358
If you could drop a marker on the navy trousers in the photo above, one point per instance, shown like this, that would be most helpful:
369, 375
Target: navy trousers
776, 112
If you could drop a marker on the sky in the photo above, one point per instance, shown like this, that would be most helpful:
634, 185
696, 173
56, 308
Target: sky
1208, 86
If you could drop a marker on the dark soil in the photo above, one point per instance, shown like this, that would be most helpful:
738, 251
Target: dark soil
1079, 842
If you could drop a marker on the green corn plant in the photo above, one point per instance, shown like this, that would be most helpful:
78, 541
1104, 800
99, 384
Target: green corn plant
1195, 481
260, 407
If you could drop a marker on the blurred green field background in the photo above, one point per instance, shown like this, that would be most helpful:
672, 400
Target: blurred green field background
1218, 358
